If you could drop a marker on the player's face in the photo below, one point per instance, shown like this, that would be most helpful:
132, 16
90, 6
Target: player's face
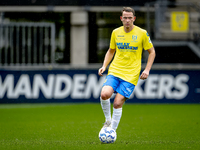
127, 19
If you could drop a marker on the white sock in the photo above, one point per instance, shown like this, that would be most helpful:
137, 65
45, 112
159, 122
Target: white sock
105, 104
117, 113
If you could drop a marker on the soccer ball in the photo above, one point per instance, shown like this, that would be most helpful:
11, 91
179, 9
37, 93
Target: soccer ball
107, 135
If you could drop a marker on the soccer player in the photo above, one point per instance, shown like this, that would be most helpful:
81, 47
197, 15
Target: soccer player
126, 46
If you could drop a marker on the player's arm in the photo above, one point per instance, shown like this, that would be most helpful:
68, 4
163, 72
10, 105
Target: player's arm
150, 61
108, 57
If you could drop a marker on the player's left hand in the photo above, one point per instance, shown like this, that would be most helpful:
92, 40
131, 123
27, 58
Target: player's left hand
144, 75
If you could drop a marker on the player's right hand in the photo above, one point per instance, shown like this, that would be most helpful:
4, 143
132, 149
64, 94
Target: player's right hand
101, 70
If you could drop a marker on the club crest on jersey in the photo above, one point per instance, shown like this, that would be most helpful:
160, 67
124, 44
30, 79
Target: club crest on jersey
134, 37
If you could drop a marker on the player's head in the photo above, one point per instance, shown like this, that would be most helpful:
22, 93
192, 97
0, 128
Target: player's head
128, 9
128, 17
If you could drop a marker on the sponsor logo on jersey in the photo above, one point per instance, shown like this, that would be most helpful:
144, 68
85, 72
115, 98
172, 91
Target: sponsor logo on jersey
149, 40
126, 48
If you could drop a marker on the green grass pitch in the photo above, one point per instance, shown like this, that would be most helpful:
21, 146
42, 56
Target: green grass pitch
76, 127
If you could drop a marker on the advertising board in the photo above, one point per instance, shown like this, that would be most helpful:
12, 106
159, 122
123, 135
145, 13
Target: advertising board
162, 86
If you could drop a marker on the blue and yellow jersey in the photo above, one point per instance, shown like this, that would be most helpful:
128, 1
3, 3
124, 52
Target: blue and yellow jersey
129, 46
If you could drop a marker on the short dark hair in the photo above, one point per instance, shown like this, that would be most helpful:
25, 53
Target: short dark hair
128, 9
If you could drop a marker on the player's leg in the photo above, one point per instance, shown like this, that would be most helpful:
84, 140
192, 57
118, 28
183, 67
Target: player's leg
124, 91
106, 93
109, 87
117, 110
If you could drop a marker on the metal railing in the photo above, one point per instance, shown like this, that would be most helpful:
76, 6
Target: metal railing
162, 16
27, 44
161, 27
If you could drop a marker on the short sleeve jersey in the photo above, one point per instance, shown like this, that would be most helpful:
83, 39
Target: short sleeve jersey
129, 46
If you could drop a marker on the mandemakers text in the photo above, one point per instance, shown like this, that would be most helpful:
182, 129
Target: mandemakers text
82, 86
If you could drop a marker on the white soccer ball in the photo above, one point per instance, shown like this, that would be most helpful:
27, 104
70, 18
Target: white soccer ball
107, 135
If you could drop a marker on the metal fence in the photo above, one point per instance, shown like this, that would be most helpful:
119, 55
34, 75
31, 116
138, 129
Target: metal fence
27, 44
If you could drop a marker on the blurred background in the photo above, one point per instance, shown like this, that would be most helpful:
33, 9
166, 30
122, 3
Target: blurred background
50, 51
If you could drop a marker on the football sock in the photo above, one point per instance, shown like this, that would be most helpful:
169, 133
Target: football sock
105, 104
117, 113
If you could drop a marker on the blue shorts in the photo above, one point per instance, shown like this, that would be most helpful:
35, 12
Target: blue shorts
119, 86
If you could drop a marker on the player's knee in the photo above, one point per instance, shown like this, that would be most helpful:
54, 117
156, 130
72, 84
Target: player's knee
117, 105
105, 95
